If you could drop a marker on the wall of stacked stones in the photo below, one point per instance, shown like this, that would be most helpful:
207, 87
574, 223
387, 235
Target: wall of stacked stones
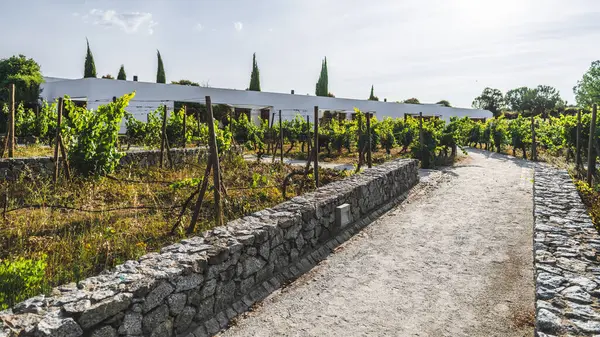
12, 169
195, 287
567, 269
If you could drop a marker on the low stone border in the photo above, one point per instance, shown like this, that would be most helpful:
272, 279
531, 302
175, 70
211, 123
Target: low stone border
195, 287
11, 169
567, 269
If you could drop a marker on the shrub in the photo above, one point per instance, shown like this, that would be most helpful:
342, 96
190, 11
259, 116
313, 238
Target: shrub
92, 136
223, 137
21, 279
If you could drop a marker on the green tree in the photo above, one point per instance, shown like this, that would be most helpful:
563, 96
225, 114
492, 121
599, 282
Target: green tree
517, 99
372, 97
160, 72
490, 99
542, 99
444, 103
254, 76
412, 101
90, 67
122, 75
322, 88
25, 74
186, 82
587, 90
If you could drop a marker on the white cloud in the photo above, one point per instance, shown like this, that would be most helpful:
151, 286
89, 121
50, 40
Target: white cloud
130, 22
238, 26
199, 27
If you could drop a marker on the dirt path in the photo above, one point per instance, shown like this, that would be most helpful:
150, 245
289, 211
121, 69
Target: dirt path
454, 260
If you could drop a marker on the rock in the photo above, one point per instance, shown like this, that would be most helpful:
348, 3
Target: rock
58, 327
105, 309
165, 329
550, 281
587, 326
188, 282
577, 294
105, 331
201, 332
154, 318
251, 265
212, 326
547, 322
132, 324
205, 308
176, 303
34, 305
584, 282
157, 296
184, 319
77, 307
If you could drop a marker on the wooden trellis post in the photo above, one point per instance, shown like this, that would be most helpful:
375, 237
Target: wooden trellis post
369, 158
308, 136
164, 143
281, 136
533, 146
578, 161
11, 123
421, 139
214, 157
57, 141
163, 132
316, 147
591, 151
184, 126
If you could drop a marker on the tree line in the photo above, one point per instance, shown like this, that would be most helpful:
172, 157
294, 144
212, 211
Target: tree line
543, 100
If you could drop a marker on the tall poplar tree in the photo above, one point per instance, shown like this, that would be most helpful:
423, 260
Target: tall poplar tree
160, 72
90, 67
255, 76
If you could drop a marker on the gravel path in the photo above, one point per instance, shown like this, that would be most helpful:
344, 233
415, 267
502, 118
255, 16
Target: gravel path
453, 260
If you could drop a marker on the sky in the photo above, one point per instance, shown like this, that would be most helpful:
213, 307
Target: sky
428, 49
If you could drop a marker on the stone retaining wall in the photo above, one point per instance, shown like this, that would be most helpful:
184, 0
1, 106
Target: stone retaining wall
567, 271
11, 169
195, 287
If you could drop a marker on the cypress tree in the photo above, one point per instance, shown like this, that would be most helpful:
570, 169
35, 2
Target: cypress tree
372, 97
255, 76
322, 85
90, 67
122, 75
326, 78
160, 72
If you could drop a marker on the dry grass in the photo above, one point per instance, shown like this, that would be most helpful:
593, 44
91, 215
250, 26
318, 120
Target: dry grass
80, 244
34, 150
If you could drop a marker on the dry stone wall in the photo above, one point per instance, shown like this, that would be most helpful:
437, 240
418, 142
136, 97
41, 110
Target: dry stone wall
12, 169
567, 268
195, 287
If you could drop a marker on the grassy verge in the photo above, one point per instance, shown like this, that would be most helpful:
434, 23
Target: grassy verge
51, 236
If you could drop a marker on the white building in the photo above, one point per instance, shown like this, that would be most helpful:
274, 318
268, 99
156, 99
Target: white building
149, 96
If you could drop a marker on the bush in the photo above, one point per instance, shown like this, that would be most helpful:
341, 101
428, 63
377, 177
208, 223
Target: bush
21, 279
175, 128
92, 136
223, 137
